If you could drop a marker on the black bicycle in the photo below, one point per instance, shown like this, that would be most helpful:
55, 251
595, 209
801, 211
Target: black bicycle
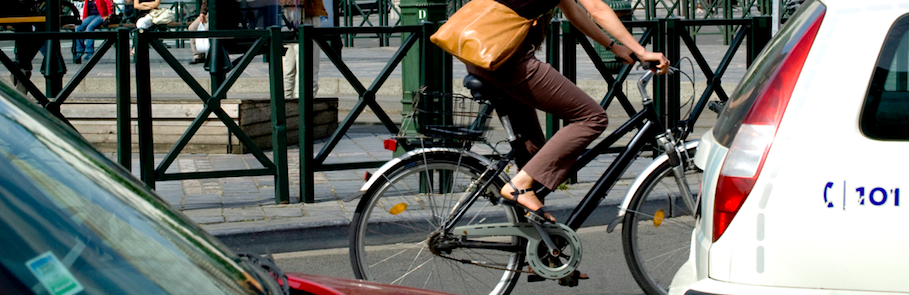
433, 217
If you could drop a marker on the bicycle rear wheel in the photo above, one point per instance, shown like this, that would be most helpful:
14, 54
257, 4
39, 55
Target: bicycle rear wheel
395, 221
656, 231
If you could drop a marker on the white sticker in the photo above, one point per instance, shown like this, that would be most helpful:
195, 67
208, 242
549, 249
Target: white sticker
53, 275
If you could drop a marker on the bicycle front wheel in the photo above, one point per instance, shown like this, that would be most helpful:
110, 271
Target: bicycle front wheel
656, 231
394, 229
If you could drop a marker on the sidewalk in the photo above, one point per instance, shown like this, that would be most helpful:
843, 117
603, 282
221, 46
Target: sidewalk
241, 211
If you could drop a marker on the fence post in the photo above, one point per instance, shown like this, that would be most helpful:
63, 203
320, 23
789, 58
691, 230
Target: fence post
552, 57
124, 136
672, 48
278, 113
53, 67
420, 67
144, 112
383, 6
728, 31
683, 8
304, 83
758, 37
659, 82
650, 9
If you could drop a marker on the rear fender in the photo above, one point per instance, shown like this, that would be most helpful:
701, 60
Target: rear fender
393, 164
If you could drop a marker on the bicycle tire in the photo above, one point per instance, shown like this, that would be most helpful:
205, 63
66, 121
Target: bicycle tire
389, 245
655, 248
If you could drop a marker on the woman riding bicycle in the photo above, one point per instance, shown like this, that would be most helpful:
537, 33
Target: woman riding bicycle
536, 85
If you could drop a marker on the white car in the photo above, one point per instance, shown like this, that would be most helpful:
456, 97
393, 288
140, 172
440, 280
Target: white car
804, 168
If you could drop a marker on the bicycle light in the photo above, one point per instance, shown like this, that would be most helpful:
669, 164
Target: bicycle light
390, 144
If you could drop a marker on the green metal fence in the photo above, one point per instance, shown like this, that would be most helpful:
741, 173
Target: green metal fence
224, 74
368, 13
666, 35
673, 34
364, 14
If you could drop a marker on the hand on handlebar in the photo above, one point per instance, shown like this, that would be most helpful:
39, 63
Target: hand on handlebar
649, 59
623, 54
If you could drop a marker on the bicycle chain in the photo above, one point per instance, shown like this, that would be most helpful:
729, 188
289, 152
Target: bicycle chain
465, 261
543, 264
436, 252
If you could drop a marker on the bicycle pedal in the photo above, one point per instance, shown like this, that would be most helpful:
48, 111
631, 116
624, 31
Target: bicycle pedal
536, 218
535, 278
572, 280
494, 200
533, 217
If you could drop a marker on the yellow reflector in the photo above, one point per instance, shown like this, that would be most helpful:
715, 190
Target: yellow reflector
658, 218
397, 209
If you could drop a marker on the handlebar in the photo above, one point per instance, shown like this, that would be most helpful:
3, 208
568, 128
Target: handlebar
650, 67
647, 65
642, 86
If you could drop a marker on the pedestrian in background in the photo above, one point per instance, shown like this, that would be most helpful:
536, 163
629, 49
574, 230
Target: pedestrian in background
202, 19
94, 12
143, 7
312, 11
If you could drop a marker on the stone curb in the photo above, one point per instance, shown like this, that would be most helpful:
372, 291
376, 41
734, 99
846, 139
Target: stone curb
303, 234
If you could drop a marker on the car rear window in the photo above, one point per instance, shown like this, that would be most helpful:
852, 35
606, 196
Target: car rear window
744, 96
885, 114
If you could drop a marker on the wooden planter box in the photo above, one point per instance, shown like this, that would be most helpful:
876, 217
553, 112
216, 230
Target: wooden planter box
255, 120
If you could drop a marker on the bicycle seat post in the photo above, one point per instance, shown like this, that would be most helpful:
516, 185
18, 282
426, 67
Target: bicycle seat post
509, 132
480, 90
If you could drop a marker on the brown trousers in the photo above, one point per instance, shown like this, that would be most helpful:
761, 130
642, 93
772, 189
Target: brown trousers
536, 85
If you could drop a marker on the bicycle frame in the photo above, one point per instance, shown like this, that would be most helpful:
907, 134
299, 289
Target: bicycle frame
550, 250
646, 121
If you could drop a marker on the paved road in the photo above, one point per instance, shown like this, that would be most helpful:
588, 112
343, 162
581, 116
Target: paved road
603, 261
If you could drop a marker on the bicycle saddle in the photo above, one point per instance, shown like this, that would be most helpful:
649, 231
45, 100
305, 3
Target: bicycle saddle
480, 89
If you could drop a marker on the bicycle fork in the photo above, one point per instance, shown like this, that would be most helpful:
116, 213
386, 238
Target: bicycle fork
680, 161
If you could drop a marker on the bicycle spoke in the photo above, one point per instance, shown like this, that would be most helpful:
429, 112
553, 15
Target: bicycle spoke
657, 228
402, 237
665, 258
410, 272
393, 256
669, 220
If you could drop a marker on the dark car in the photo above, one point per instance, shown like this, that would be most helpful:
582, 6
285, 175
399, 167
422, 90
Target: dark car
74, 222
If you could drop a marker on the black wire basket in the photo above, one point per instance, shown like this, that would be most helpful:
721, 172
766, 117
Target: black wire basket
449, 115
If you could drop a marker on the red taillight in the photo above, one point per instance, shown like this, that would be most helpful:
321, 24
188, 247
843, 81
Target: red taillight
390, 144
752, 142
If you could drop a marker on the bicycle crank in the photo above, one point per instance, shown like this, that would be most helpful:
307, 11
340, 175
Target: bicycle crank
542, 259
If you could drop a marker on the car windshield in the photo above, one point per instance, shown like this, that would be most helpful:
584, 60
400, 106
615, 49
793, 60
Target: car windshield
74, 223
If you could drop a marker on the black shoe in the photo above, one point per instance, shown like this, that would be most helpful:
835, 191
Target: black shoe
77, 58
19, 86
197, 59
